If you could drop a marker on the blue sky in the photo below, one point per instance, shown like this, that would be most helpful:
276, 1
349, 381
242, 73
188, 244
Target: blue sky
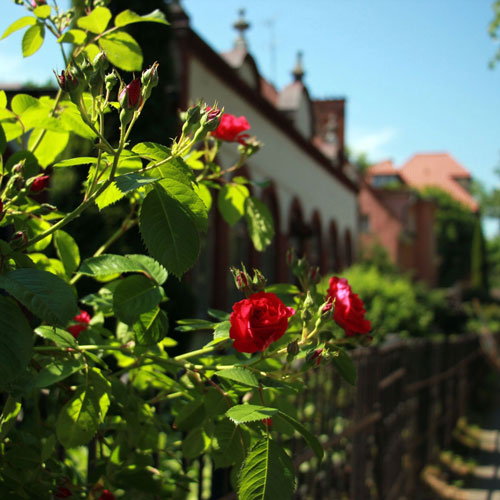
414, 72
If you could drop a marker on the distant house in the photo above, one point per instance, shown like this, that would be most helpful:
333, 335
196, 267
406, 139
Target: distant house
313, 200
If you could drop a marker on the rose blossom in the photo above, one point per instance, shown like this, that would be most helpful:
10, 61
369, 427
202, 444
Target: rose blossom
231, 127
349, 312
258, 321
83, 320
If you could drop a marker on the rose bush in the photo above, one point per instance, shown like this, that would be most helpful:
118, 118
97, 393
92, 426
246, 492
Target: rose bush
258, 321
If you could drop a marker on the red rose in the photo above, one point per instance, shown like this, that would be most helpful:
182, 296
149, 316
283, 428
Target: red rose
40, 183
83, 320
130, 96
349, 312
107, 495
231, 127
258, 321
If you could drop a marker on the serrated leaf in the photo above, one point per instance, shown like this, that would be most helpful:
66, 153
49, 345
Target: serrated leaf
71, 121
186, 196
96, 21
259, 222
204, 193
79, 418
42, 11
82, 160
33, 39
151, 327
344, 365
56, 371
240, 375
133, 181
267, 473
311, 439
195, 443
169, 232
16, 340
230, 448
109, 196
107, 264
152, 151
43, 293
75, 36
241, 414
19, 24
129, 17
8, 416
122, 51
135, 295
60, 337
67, 250
231, 202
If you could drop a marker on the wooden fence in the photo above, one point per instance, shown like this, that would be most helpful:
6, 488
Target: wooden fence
378, 435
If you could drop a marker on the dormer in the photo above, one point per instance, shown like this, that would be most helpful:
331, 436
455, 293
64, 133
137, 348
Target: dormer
295, 103
239, 58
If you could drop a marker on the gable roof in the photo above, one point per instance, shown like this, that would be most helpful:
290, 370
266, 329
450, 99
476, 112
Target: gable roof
440, 170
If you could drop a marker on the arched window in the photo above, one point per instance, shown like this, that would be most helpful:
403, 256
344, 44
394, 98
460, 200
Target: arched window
334, 260
270, 259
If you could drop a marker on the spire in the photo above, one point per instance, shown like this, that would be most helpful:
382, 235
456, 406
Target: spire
298, 72
241, 25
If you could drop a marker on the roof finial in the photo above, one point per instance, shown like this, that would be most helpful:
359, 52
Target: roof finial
298, 72
241, 25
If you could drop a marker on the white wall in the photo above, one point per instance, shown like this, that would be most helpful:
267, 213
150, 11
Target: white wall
294, 172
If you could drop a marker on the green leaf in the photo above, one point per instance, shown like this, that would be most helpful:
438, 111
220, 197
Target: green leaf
195, 443
231, 202
169, 232
186, 196
151, 327
33, 39
79, 418
67, 250
60, 337
16, 340
96, 21
191, 415
82, 160
8, 416
241, 414
18, 24
218, 314
133, 181
21, 102
266, 474
43, 293
230, 449
109, 196
42, 11
152, 151
222, 330
311, 439
283, 289
260, 223
129, 17
135, 295
36, 226
193, 325
344, 365
75, 36
3, 141
50, 147
204, 193
56, 371
122, 51
71, 120
107, 264
3, 99
240, 375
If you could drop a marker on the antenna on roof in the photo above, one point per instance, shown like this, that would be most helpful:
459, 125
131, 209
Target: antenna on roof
241, 25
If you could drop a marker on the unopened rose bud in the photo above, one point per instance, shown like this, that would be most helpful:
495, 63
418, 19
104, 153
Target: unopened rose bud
317, 356
267, 421
100, 62
106, 495
293, 348
67, 81
241, 278
39, 184
314, 275
110, 80
37, 3
191, 119
327, 307
130, 97
18, 239
291, 258
18, 168
149, 80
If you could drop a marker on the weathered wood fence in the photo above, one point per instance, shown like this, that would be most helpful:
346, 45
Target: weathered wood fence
378, 435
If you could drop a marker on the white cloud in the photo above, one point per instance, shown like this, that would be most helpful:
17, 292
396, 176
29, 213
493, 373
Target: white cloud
373, 143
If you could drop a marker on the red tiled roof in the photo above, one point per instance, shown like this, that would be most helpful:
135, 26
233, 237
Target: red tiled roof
385, 167
440, 170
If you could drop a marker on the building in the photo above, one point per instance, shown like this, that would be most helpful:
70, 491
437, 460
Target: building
313, 201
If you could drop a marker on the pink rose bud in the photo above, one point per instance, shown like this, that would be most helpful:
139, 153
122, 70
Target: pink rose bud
82, 323
40, 183
130, 97
213, 113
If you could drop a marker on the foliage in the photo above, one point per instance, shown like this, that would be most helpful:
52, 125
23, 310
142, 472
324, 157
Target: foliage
93, 399
454, 231
479, 263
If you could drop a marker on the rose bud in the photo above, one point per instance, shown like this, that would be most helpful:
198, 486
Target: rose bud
267, 421
106, 495
292, 348
40, 183
66, 81
37, 3
110, 80
82, 323
19, 239
130, 97
149, 80
315, 356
